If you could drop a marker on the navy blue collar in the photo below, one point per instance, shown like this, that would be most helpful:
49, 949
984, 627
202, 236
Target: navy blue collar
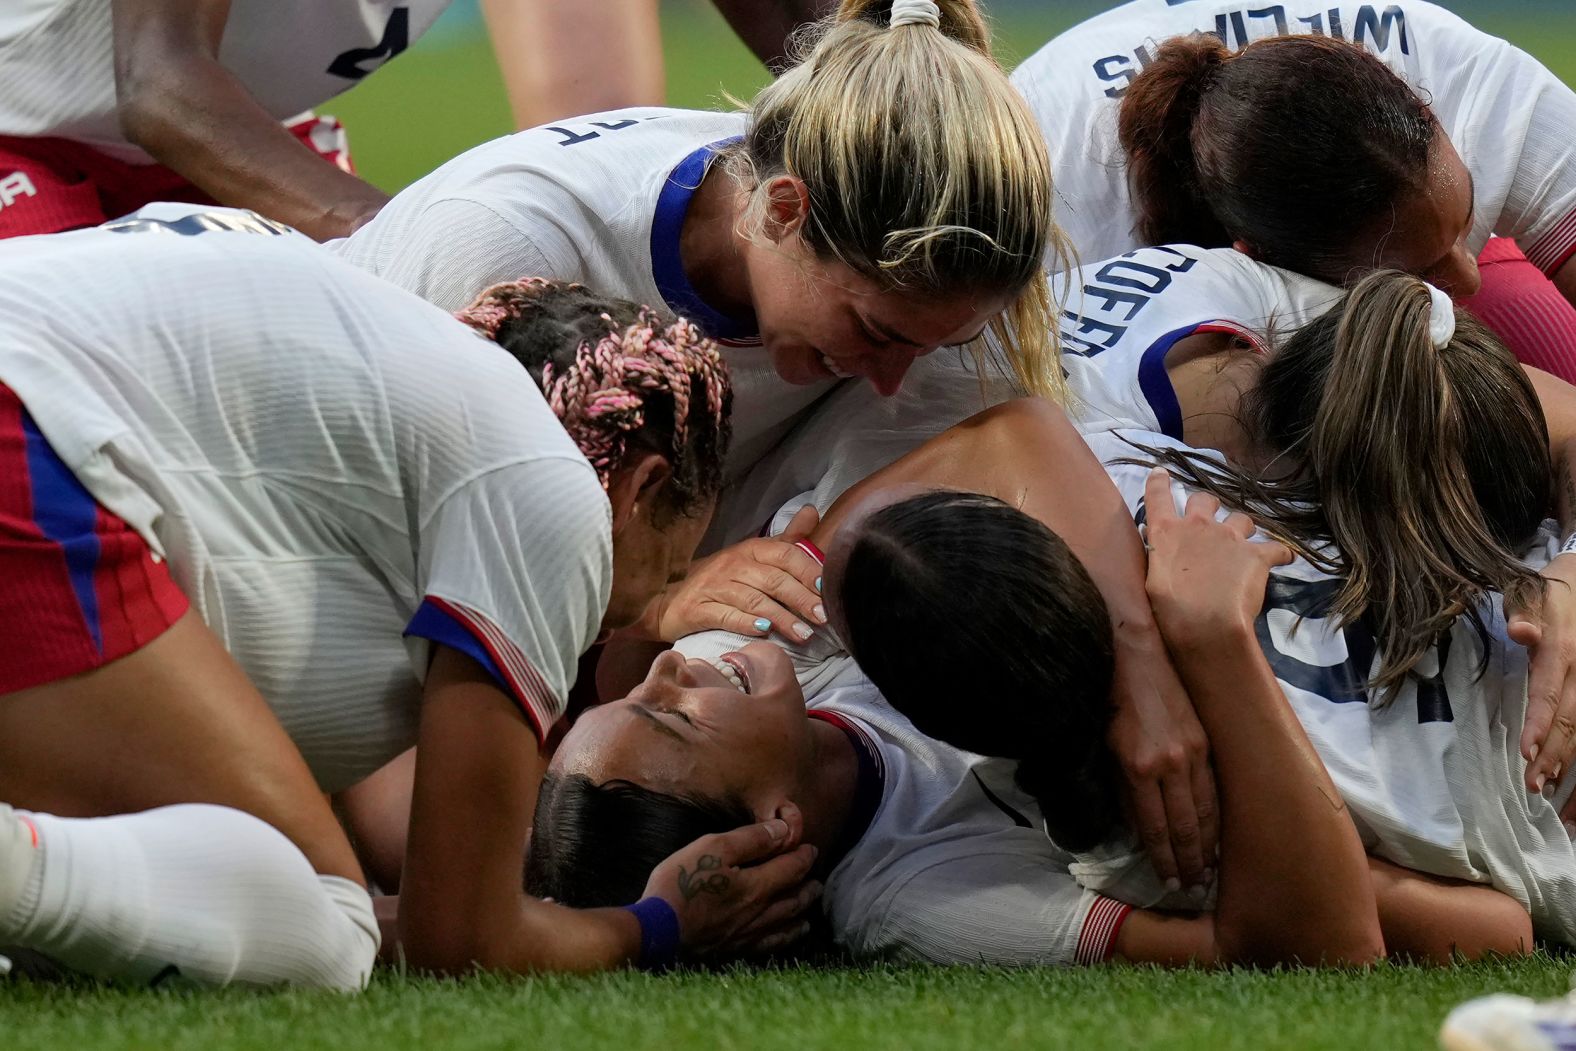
667, 266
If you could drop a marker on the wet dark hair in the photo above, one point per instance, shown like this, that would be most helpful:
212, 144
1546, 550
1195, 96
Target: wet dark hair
1299, 146
594, 845
1427, 469
981, 626
619, 376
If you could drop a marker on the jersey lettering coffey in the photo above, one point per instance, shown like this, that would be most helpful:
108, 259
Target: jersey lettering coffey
1122, 317
599, 200
57, 59
338, 474
1507, 115
1434, 779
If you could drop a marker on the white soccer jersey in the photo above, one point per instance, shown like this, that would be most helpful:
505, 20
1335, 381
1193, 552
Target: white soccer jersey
1433, 780
599, 200
1508, 116
338, 474
953, 865
57, 59
1121, 317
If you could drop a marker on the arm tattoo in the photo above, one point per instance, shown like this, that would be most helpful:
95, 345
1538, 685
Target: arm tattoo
691, 884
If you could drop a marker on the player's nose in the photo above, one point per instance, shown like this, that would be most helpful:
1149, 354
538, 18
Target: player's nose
1459, 274
886, 371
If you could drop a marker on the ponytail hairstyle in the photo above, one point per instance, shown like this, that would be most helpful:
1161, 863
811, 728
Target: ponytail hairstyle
1300, 146
925, 169
981, 626
619, 377
1425, 468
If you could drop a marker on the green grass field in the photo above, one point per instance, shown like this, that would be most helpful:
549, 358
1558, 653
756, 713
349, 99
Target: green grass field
881, 1009
436, 101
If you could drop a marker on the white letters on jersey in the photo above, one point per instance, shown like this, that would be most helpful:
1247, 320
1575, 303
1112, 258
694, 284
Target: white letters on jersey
15, 185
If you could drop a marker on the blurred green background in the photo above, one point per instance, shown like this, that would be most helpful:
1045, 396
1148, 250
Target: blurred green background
445, 95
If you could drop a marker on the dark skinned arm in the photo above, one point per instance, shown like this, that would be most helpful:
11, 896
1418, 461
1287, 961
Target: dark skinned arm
765, 25
192, 115
462, 906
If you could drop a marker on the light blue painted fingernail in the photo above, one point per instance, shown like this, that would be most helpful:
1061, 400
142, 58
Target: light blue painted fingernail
762, 624
818, 583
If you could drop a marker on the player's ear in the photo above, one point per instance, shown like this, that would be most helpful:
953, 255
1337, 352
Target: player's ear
1245, 248
635, 486
787, 206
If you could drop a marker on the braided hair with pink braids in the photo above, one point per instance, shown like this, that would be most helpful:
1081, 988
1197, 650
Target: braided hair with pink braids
619, 376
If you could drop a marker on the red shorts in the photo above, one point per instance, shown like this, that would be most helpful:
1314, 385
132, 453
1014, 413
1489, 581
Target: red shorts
49, 185
80, 586
1526, 310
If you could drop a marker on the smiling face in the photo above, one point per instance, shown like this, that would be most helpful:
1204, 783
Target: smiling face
1429, 232
819, 319
690, 729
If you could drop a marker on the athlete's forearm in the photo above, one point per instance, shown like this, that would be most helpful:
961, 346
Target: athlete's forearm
196, 118
1294, 881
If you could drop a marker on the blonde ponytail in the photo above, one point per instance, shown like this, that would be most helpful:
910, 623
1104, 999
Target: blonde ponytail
925, 169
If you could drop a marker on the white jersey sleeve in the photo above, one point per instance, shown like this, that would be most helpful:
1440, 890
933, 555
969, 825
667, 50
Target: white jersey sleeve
998, 907
1510, 118
1121, 317
458, 248
512, 574
597, 200
57, 59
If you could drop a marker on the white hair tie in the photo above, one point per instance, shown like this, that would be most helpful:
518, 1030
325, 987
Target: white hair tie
1441, 318
915, 12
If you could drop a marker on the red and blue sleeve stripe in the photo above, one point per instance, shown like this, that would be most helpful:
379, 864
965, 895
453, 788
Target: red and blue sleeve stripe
467, 630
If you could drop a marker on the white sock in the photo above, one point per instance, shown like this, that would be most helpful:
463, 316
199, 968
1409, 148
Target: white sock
207, 892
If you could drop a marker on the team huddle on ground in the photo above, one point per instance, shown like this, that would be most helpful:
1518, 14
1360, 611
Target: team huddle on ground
929, 513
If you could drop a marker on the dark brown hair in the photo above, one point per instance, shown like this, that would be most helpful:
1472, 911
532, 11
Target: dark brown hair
1424, 469
983, 628
1299, 146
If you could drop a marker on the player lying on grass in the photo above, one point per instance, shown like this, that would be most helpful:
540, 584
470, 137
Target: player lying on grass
932, 853
106, 105
1432, 777
268, 521
1217, 351
1390, 135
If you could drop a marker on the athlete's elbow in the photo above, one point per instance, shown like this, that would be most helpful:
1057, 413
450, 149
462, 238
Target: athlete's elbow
149, 91
1334, 945
1504, 928
449, 949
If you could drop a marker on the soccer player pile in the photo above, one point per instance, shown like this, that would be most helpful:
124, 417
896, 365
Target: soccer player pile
939, 514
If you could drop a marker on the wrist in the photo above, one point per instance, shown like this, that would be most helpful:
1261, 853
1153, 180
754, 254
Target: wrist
659, 933
1210, 638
